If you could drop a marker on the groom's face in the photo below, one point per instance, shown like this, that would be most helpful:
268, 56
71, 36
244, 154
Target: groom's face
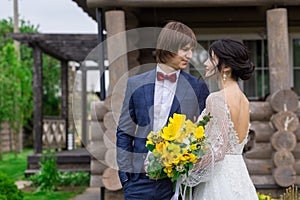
181, 59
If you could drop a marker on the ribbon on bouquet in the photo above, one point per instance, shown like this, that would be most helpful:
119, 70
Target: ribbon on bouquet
179, 190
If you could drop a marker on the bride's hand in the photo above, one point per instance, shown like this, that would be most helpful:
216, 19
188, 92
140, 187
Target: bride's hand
202, 163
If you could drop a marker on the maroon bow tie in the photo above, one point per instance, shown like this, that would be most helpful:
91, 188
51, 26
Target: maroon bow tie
171, 77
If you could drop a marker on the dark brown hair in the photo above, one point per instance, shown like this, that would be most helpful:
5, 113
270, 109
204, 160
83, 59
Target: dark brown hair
234, 54
174, 36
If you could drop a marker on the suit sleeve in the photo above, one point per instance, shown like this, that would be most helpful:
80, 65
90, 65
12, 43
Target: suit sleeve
125, 135
202, 96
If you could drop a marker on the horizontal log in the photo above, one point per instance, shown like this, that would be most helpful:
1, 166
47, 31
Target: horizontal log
96, 181
284, 140
297, 166
285, 176
98, 110
283, 158
284, 100
285, 121
263, 130
267, 179
298, 110
97, 149
111, 134
260, 111
297, 133
96, 131
296, 151
108, 143
260, 151
259, 166
263, 179
111, 158
97, 167
114, 102
265, 151
110, 179
110, 120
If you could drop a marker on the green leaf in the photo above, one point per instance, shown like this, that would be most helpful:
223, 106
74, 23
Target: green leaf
151, 147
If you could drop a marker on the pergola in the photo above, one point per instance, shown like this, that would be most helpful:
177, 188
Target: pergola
64, 47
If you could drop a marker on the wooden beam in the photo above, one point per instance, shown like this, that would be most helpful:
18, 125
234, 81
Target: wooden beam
37, 100
187, 3
64, 97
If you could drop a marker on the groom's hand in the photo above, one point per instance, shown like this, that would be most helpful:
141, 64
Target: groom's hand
154, 179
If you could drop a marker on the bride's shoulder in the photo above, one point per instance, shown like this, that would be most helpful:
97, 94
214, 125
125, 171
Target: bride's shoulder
219, 95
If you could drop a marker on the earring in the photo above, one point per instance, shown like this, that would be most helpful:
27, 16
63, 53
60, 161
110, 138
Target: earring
224, 77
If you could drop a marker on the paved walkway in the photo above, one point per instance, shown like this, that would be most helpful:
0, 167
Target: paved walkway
91, 193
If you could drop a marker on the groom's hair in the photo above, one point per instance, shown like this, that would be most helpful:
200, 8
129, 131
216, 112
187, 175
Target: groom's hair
173, 36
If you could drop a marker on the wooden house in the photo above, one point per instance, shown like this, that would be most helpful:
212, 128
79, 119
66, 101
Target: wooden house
270, 29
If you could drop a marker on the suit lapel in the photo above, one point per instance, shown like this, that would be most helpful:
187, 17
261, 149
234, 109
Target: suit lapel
148, 89
181, 90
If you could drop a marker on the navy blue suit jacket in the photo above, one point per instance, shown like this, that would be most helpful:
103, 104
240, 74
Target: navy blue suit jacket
136, 119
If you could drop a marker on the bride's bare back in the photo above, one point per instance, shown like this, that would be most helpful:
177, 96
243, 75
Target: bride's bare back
239, 110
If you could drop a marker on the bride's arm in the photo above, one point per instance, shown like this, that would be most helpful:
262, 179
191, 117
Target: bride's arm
217, 140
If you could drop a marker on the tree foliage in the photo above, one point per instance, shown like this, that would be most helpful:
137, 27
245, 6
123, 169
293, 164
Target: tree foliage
16, 99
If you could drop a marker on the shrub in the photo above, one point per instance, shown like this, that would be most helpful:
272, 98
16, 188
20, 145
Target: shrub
48, 178
8, 189
74, 178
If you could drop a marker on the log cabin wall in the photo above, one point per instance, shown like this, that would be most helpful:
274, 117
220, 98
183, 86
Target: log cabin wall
240, 20
6, 138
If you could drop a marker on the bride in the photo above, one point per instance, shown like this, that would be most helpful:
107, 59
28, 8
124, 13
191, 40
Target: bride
222, 174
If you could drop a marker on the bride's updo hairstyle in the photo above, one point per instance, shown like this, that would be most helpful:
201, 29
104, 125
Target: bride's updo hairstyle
235, 55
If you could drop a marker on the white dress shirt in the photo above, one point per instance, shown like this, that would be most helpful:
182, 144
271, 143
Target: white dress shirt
164, 93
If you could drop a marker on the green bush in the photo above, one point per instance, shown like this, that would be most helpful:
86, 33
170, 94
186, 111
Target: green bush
74, 179
48, 178
8, 189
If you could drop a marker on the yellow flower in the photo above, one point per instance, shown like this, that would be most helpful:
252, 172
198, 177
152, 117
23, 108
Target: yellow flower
149, 142
180, 136
190, 127
178, 121
169, 171
199, 132
174, 148
160, 148
173, 130
190, 157
193, 147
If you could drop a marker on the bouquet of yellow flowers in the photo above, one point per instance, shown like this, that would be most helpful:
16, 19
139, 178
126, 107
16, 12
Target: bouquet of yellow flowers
176, 147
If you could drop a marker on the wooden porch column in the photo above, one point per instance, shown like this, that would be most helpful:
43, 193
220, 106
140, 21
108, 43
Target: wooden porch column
64, 97
84, 104
278, 50
115, 24
118, 71
37, 99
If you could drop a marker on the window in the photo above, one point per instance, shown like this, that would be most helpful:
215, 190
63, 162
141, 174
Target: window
257, 88
296, 61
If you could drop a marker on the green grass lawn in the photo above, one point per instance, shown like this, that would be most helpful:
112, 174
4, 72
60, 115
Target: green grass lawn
15, 167
51, 195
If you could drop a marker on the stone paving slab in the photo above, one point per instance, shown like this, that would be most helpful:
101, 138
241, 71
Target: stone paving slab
91, 193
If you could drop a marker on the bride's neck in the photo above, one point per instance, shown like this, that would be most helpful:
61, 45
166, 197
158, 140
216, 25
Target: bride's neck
230, 83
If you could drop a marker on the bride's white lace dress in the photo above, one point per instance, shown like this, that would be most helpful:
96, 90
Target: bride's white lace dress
222, 173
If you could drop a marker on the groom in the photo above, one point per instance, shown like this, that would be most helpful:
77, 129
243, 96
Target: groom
150, 99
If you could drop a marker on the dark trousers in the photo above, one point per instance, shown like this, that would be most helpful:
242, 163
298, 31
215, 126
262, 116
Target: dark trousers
146, 189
